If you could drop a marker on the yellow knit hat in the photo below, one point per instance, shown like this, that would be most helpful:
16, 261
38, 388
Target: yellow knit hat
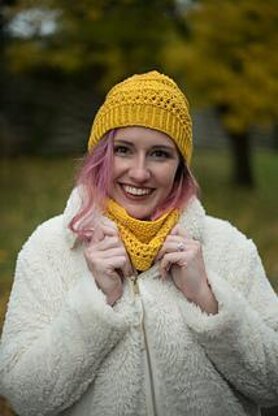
150, 100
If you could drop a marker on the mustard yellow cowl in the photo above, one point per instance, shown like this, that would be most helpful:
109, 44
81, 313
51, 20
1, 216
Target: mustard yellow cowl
142, 239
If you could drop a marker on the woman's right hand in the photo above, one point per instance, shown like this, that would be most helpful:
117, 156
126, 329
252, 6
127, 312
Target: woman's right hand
108, 261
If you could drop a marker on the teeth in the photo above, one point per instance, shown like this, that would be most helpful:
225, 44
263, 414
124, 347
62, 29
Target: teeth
136, 191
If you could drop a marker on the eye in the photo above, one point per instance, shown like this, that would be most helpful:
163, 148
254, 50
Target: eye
160, 154
121, 150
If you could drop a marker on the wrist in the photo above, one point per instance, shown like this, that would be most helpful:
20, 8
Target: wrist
209, 303
206, 299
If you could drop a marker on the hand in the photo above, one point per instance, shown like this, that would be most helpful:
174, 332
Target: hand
183, 257
108, 260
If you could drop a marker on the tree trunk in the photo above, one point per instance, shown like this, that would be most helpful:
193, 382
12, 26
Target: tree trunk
242, 159
275, 136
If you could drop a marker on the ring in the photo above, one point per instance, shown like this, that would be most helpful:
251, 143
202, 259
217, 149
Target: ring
180, 246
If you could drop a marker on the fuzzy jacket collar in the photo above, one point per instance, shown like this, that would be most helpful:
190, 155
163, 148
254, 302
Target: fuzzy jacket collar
192, 218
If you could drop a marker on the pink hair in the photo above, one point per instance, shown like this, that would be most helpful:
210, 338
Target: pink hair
184, 188
94, 178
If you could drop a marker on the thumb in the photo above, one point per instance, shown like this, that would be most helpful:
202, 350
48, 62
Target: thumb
175, 230
98, 235
127, 268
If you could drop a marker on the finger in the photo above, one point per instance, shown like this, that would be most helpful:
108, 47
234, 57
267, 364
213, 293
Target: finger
101, 231
170, 259
107, 243
176, 239
178, 230
98, 254
159, 255
169, 247
97, 235
117, 262
127, 268
164, 249
112, 267
181, 231
109, 230
108, 223
111, 253
175, 244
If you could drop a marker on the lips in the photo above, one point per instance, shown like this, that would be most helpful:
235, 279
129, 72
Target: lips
136, 191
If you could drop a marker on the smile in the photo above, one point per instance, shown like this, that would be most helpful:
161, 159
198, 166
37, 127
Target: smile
132, 190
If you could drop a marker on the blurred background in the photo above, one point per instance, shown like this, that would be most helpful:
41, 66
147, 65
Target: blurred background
58, 58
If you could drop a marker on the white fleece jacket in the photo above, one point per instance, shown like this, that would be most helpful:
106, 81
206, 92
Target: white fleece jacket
65, 351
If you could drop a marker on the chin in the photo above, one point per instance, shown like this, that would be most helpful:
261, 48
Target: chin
139, 215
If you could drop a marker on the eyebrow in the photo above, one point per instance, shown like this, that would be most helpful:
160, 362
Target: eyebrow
156, 146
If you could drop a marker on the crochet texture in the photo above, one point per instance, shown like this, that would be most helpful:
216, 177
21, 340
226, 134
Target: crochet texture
150, 100
142, 239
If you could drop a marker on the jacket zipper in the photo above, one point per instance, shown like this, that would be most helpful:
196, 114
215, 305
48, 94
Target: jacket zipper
134, 285
136, 292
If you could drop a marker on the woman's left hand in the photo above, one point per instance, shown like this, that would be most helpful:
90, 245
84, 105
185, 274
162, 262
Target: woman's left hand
182, 257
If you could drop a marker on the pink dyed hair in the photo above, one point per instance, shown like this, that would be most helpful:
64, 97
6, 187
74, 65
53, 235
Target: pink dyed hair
94, 177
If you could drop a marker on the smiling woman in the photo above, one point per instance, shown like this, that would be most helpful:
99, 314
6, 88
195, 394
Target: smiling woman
134, 301
145, 166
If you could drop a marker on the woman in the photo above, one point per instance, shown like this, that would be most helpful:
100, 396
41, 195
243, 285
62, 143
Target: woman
134, 301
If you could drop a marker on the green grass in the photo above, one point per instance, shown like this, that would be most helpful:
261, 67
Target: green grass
254, 212
34, 189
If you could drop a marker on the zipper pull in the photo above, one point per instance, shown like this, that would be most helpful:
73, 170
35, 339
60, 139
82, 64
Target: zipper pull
134, 285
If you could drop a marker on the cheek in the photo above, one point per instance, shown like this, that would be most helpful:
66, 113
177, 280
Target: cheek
166, 179
167, 176
117, 168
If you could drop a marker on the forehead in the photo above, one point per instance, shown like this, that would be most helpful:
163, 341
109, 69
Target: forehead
142, 136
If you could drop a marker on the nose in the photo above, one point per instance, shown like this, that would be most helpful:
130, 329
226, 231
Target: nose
139, 171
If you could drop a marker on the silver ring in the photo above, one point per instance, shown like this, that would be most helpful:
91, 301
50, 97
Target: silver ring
180, 246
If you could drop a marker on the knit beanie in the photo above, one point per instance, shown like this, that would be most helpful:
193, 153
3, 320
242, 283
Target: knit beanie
150, 100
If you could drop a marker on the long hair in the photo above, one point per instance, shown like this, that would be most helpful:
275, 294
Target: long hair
94, 178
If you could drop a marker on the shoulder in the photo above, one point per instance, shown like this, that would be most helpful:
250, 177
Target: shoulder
49, 235
223, 229
209, 229
52, 240
226, 238
230, 252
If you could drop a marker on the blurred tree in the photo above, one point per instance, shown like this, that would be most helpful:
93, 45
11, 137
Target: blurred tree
221, 49
229, 61
110, 38
4, 4
84, 43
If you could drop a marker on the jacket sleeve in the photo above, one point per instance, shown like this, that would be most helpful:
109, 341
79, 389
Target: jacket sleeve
242, 339
55, 337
